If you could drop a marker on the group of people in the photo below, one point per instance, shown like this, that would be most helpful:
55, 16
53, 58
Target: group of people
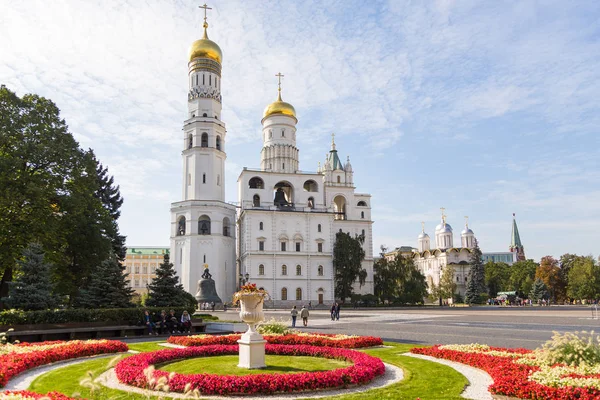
303, 314
208, 306
167, 323
335, 311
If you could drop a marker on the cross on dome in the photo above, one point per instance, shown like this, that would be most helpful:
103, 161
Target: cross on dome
205, 7
466, 221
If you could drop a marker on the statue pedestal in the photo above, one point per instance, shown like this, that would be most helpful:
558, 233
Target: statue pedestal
252, 351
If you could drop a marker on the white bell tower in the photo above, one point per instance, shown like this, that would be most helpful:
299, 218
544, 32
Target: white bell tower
203, 224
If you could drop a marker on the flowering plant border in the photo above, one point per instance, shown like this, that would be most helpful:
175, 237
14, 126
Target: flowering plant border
515, 372
26, 395
312, 339
20, 358
364, 369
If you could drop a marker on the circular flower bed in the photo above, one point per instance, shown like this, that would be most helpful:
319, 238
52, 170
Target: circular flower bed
131, 371
27, 395
309, 339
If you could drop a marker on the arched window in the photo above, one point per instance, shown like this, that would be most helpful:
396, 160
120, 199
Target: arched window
190, 141
204, 140
204, 83
270, 134
284, 269
283, 194
203, 178
320, 270
218, 180
362, 214
363, 232
218, 142
205, 115
339, 180
283, 133
339, 208
181, 226
311, 203
311, 186
261, 269
319, 228
256, 183
256, 201
298, 270
299, 294
361, 204
226, 226
204, 225
283, 293
260, 226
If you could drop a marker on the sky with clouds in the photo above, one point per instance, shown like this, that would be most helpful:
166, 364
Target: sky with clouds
484, 108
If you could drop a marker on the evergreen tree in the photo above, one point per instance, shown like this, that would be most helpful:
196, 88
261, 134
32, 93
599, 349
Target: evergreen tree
165, 289
348, 255
476, 278
32, 290
111, 199
108, 287
538, 290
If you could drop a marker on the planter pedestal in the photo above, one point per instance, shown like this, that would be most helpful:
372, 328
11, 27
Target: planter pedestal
252, 344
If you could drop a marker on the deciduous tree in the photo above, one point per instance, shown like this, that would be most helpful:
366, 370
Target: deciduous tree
497, 275
584, 279
348, 255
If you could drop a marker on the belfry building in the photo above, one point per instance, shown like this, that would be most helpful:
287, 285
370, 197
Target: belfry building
286, 219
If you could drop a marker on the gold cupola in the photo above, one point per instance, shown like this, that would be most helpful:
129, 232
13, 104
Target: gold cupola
205, 48
279, 107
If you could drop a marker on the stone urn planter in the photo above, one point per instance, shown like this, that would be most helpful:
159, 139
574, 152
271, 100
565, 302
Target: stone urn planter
252, 344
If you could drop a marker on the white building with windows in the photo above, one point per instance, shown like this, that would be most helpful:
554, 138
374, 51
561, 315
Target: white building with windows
432, 260
203, 224
287, 219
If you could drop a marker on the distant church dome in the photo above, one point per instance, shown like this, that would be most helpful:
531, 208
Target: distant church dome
205, 48
467, 231
443, 228
423, 235
279, 107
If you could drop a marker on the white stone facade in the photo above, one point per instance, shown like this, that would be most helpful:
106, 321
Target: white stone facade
431, 262
203, 224
286, 240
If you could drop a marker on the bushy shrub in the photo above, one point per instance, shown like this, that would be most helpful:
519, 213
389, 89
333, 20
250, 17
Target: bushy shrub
273, 326
128, 315
571, 348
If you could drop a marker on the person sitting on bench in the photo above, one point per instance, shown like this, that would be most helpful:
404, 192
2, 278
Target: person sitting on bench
186, 322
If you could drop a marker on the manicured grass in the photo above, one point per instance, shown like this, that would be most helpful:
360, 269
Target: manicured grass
146, 346
422, 379
227, 365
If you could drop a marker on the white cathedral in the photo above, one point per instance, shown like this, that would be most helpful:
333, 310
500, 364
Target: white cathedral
286, 219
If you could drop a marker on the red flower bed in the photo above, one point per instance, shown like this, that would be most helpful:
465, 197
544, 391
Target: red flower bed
25, 394
511, 378
14, 363
315, 339
131, 371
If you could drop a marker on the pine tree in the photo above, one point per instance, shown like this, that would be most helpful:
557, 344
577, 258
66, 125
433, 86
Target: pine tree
476, 279
32, 288
165, 289
108, 287
538, 290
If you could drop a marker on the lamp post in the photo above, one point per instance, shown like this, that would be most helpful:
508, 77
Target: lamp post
244, 279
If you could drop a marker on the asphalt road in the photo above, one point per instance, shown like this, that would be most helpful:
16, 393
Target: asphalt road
495, 326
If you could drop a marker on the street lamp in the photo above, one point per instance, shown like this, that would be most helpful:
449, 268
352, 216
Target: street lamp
244, 279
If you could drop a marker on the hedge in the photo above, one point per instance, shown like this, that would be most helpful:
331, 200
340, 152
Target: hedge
132, 316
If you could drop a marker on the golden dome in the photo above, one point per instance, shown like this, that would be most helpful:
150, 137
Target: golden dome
205, 48
279, 107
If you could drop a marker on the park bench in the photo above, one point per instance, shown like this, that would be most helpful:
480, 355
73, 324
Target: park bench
91, 330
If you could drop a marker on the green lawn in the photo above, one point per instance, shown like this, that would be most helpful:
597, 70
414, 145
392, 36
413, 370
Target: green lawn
422, 379
227, 365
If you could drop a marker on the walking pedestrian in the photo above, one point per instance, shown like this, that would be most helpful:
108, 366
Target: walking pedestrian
294, 315
304, 315
332, 311
337, 311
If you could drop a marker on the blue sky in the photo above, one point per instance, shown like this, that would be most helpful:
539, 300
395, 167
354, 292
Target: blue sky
484, 108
